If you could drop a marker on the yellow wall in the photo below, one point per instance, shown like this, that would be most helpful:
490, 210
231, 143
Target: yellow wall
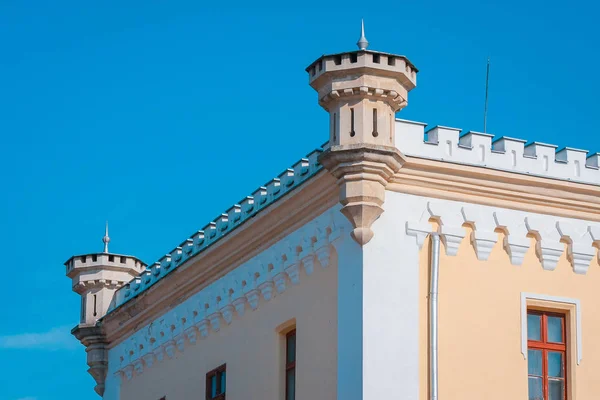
480, 322
252, 349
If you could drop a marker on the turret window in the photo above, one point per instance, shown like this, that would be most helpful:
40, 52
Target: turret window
352, 133
375, 134
334, 127
82, 316
95, 304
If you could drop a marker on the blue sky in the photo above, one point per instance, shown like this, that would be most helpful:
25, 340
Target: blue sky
158, 116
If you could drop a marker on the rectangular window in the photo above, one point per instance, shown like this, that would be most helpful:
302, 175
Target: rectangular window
216, 384
546, 355
290, 365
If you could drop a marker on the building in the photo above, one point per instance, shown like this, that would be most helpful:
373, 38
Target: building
392, 262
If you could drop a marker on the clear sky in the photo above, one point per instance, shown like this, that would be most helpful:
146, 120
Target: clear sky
159, 115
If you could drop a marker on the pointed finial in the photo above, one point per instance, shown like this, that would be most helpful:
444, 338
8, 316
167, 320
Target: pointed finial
106, 239
362, 42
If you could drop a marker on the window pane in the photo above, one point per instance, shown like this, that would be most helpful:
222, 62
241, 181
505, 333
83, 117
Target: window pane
291, 348
555, 364
290, 384
534, 323
535, 389
555, 330
534, 362
213, 386
223, 383
556, 390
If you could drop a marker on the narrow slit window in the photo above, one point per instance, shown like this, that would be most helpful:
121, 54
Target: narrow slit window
216, 383
375, 134
83, 299
95, 304
546, 356
334, 126
290, 365
352, 132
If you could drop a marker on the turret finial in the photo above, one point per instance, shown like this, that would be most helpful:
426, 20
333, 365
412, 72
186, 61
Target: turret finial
106, 239
362, 43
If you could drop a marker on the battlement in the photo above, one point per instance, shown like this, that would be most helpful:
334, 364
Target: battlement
218, 228
77, 264
439, 143
504, 153
385, 64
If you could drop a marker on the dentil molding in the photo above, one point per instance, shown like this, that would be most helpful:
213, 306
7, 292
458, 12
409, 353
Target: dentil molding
211, 309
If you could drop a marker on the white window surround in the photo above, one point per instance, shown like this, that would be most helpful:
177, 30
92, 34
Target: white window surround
565, 300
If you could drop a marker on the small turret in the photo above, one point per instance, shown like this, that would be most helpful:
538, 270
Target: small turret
362, 90
95, 278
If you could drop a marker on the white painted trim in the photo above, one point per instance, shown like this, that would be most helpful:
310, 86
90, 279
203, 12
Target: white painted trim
565, 300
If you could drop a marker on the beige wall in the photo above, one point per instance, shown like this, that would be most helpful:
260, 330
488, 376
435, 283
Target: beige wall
480, 322
252, 349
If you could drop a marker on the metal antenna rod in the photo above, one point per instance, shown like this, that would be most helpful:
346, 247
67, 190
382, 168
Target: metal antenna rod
487, 81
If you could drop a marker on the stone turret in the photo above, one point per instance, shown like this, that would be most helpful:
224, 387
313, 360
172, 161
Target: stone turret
95, 278
362, 90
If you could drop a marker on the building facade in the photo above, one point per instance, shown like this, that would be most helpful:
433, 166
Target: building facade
392, 262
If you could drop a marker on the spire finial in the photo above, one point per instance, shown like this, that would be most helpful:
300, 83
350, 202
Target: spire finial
362, 43
106, 239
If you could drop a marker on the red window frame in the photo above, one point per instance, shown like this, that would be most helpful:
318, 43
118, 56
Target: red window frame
220, 392
290, 365
544, 346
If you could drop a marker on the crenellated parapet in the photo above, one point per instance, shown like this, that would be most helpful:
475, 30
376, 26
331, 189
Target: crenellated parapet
553, 235
225, 223
260, 279
505, 153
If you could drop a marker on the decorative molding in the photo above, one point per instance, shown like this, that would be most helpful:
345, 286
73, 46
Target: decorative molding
552, 233
96, 347
508, 154
362, 172
392, 97
555, 299
265, 276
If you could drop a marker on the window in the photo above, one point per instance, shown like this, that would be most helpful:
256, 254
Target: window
546, 355
216, 384
95, 304
290, 365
